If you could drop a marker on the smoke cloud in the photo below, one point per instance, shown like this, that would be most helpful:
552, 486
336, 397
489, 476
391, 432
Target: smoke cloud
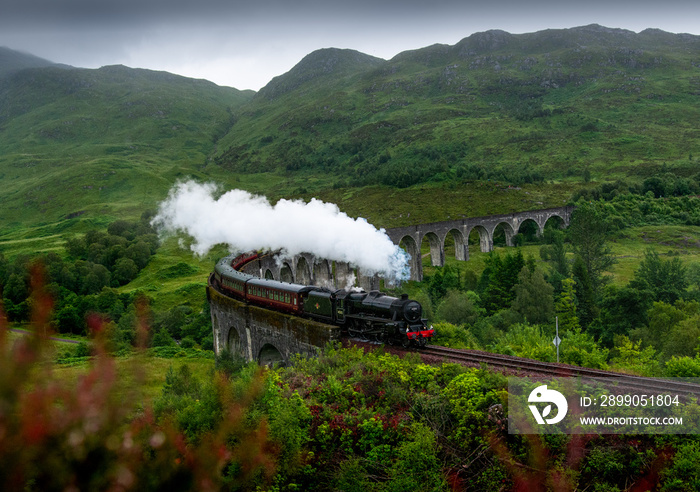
247, 222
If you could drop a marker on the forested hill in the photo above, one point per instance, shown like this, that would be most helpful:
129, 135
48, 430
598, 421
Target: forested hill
518, 108
102, 141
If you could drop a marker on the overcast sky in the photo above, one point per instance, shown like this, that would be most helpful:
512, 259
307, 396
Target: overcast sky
244, 44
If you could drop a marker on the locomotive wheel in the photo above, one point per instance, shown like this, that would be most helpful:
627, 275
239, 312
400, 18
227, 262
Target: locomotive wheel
405, 342
365, 330
355, 329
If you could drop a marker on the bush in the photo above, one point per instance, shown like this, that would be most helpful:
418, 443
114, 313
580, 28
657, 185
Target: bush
417, 467
449, 335
684, 473
579, 348
527, 341
162, 339
683, 367
187, 342
229, 363
460, 308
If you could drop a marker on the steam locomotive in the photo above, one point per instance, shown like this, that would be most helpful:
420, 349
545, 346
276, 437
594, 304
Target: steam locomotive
367, 315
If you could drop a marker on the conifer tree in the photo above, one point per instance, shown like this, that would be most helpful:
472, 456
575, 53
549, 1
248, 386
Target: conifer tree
585, 295
566, 308
534, 298
588, 233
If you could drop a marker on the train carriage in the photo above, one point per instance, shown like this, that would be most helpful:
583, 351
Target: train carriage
276, 295
372, 315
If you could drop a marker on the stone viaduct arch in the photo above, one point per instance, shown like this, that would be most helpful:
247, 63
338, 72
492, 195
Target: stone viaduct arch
306, 269
410, 238
261, 335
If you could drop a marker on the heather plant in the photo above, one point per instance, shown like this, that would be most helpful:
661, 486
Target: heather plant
389, 420
96, 434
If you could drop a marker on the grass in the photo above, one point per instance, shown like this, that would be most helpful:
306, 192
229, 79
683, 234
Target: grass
100, 142
21, 330
175, 276
138, 376
682, 242
433, 202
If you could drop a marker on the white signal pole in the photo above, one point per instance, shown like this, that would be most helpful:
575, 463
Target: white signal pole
557, 340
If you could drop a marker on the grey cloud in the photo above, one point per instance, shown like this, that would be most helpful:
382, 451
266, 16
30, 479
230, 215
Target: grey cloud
245, 43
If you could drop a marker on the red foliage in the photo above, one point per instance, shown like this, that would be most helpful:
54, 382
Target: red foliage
93, 435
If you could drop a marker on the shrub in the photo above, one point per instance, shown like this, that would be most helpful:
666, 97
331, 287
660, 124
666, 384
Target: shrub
684, 473
526, 341
417, 466
449, 335
187, 342
466, 399
162, 339
683, 367
579, 348
460, 308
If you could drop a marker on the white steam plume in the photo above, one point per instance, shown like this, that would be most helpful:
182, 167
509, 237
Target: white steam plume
249, 222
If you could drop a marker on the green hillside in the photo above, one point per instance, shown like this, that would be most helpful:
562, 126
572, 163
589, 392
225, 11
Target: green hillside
13, 61
589, 102
496, 123
107, 142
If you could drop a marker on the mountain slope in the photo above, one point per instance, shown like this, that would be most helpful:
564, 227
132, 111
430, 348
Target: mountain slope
104, 141
324, 67
546, 105
561, 105
13, 61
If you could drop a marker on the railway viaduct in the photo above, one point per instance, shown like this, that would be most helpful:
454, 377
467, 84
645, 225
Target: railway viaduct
266, 337
261, 335
411, 238
307, 269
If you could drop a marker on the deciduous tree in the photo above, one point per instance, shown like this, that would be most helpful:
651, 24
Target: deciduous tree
666, 279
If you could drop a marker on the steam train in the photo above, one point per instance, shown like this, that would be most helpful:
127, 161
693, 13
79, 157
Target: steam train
367, 315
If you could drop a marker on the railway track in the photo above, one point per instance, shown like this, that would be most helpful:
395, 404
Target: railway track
518, 366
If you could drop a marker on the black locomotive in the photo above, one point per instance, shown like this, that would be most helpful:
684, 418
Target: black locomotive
367, 315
